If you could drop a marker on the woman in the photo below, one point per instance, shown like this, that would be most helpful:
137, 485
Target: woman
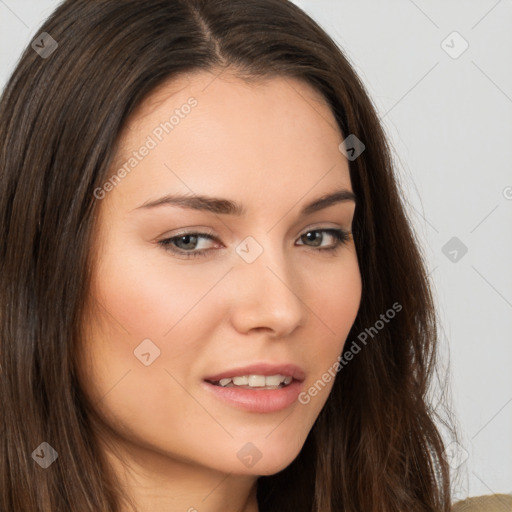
211, 296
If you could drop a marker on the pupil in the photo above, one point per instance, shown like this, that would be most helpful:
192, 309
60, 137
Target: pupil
314, 236
188, 239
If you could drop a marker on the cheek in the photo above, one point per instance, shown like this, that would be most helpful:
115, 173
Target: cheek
334, 298
147, 294
140, 298
333, 295
149, 303
142, 307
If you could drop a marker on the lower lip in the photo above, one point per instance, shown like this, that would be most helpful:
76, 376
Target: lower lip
257, 400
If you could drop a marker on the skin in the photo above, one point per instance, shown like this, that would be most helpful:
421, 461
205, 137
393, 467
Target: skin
273, 147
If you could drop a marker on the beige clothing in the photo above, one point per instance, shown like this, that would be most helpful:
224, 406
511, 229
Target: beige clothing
492, 503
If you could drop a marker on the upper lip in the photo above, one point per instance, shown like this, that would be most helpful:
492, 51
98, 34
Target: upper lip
267, 369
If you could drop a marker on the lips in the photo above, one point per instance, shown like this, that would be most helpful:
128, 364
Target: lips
261, 400
266, 369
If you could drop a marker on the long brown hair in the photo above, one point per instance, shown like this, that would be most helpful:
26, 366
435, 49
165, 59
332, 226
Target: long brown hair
375, 445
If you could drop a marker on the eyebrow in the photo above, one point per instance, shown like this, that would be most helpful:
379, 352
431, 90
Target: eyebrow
228, 207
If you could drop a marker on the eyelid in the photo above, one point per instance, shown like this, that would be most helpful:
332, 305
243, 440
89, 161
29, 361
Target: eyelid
321, 227
192, 231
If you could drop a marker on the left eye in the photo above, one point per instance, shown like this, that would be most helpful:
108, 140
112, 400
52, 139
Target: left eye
188, 245
317, 236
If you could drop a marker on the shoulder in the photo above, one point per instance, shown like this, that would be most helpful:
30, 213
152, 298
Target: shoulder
491, 503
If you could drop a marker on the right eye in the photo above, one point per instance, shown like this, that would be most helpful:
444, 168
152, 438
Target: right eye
186, 244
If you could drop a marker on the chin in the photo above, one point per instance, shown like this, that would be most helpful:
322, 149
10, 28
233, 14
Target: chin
268, 461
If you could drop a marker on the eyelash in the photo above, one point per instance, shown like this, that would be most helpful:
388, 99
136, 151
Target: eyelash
341, 236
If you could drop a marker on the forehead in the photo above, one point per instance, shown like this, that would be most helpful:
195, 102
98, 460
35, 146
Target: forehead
219, 85
209, 132
275, 105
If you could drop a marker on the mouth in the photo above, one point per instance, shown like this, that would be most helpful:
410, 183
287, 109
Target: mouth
259, 388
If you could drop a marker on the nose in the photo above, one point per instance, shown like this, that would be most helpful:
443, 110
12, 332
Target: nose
266, 296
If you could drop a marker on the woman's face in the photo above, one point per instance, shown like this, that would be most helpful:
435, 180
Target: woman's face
270, 287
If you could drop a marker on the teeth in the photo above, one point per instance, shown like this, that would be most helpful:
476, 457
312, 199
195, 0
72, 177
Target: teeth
256, 381
273, 380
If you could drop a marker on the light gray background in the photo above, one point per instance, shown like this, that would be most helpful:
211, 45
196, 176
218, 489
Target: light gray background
450, 123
